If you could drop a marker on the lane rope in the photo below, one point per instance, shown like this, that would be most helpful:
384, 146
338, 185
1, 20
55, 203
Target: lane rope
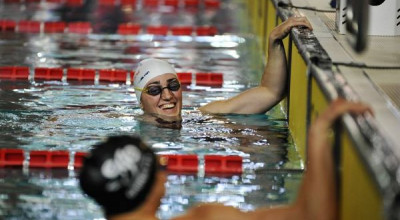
102, 75
82, 27
61, 159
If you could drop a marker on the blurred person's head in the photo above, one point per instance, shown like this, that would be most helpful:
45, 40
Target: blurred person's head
121, 174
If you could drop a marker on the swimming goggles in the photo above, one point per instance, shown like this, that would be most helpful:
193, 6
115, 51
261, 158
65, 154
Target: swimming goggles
157, 90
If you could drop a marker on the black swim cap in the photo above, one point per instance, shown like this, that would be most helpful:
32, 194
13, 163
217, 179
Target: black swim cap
119, 174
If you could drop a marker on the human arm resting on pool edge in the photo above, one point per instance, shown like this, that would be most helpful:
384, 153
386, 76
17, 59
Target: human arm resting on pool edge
273, 82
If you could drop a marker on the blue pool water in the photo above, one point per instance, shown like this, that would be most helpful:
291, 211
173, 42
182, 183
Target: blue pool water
67, 115
56, 115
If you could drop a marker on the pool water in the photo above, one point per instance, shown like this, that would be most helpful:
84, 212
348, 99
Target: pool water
54, 115
69, 115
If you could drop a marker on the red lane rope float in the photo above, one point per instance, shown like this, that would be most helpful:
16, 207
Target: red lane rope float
7, 25
14, 72
186, 163
191, 3
157, 30
128, 28
113, 75
74, 3
132, 75
44, 73
54, 27
209, 79
181, 30
206, 31
78, 159
212, 3
107, 2
54, 1
29, 26
12, 1
173, 3
48, 159
151, 3
80, 27
182, 163
185, 77
128, 2
81, 74
223, 164
11, 157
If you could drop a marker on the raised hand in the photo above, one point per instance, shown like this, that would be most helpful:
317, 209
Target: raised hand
282, 30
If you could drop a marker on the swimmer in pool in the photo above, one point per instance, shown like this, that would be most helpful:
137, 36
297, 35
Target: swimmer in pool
159, 92
127, 179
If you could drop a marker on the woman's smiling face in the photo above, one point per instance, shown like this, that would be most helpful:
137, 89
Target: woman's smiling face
168, 102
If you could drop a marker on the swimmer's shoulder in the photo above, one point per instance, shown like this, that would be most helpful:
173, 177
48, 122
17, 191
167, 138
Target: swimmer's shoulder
212, 211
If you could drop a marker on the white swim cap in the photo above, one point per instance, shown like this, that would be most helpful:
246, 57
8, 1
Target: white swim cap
147, 70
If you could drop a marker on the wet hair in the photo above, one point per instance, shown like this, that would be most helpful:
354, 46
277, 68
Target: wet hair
119, 174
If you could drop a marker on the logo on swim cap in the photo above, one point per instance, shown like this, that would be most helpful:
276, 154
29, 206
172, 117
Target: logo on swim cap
141, 78
124, 168
119, 173
147, 70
